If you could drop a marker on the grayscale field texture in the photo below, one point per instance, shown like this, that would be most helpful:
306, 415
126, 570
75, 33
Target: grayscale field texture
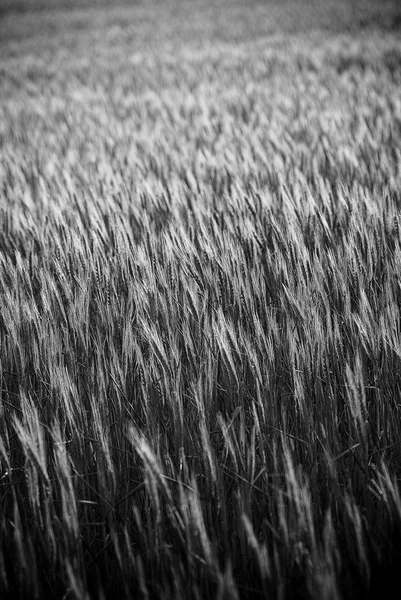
200, 299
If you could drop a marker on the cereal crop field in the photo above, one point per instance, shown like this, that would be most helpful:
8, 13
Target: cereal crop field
200, 299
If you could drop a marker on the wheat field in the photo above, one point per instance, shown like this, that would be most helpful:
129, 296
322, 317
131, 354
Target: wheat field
200, 292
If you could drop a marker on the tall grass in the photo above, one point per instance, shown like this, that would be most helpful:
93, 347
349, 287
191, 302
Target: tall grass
200, 298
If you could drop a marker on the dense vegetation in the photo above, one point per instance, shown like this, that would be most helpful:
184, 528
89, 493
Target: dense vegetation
200, 292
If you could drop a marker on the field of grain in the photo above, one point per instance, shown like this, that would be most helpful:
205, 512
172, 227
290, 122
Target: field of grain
200, 300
